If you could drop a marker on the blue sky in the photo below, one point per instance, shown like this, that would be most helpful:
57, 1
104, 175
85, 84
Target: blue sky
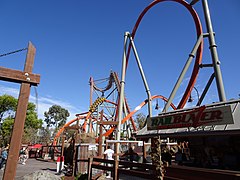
79, 39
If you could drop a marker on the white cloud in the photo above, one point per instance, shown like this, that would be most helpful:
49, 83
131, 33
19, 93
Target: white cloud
8, 90
43, 103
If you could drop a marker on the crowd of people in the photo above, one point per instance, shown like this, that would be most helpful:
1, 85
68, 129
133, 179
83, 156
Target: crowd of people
23, 156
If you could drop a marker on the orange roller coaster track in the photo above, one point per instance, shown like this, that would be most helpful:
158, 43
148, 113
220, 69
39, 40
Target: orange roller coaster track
88, 114
137, 109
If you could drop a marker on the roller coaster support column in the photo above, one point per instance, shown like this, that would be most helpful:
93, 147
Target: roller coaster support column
213, 48
206, 89
143, 76
179, 81
90, 117
121, 96
100, 142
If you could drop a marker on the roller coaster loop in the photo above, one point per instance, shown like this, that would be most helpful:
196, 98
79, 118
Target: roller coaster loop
198, 59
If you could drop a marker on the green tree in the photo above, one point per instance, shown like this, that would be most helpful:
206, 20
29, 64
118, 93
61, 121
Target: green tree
31, 126
140, 120
32, 120
8, 104
6, 130
56, 116
45, 135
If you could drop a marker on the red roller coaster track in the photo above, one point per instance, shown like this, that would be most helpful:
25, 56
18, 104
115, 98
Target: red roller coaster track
194, 71
198, 59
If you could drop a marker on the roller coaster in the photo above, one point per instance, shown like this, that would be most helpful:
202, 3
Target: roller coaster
106, 101
110, 102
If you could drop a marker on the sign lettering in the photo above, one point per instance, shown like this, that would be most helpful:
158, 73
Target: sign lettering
192, 118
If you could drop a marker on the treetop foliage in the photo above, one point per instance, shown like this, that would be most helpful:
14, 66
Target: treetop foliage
8, 106
56, 116
140, 120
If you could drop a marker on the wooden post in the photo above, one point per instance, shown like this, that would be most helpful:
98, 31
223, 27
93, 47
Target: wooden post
91, 93
100, 135
47, 149
41, 153
101, 123
144, 153
90, 167
61, 156
53, 152
76, 169
18, 127
115, 174
62, 149
74, 151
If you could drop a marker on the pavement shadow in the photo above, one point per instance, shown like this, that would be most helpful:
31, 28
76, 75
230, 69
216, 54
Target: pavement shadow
49, 169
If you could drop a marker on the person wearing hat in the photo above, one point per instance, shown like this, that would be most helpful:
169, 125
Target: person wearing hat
4, 155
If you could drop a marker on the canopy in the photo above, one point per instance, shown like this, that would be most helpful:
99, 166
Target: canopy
35, 146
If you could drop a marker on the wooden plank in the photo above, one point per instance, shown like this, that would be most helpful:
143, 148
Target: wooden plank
137, 173
73, 127
17, 76
139, 165
96, 176
189, 173
107, 122
171, 178
102, 167
82, 160
103, 160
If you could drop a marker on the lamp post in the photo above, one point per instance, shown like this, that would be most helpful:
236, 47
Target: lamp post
157, 106
190, 97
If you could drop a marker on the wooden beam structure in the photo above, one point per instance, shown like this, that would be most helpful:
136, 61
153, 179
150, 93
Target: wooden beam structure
17, 76
26, 79
107, 122
74, 127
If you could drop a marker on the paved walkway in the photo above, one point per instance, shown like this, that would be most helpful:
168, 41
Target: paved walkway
32, 165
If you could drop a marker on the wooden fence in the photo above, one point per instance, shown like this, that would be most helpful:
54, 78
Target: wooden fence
117, 168
50, 152
147, 171
189, 173
84, 164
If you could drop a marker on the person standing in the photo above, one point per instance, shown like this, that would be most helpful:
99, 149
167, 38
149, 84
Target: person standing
131, 154
108, 154
4, 155
25, 155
